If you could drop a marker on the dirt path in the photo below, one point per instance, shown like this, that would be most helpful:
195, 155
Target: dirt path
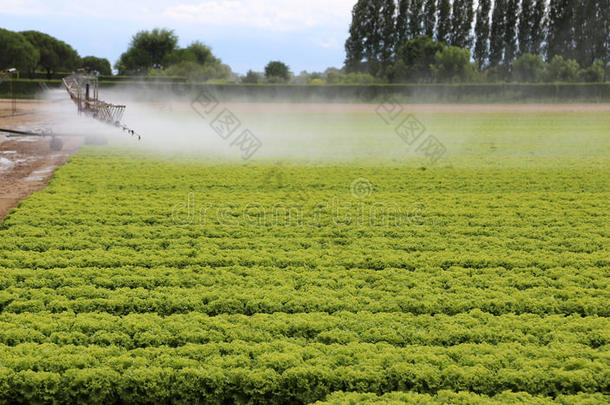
27, 163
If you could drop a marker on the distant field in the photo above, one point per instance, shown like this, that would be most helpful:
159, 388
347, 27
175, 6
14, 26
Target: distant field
339, 264
473, 135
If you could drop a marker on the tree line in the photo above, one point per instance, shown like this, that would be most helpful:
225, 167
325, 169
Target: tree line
389, 41
150, 53
33, 51
156, 53
527, 40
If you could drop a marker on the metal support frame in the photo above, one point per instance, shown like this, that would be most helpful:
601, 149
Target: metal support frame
79, 87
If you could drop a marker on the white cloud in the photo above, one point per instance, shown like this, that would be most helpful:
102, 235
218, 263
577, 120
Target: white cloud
109, 9
24, 7
329, 43
274, 15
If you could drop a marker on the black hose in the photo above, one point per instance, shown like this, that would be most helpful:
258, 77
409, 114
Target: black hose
16, 132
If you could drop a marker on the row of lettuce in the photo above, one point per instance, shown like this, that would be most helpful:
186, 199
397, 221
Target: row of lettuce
143, 330
252, 289
463, 397
283, 371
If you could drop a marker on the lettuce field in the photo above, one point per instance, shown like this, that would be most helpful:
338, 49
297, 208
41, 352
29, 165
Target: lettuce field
139, 278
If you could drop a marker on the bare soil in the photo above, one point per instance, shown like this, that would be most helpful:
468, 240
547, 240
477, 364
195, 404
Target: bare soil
27, 163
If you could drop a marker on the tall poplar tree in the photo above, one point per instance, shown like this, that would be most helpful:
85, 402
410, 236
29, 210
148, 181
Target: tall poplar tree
496, 37
602, 32
467, 22
402, 22
510, 31
416, 18
481, 32
525, 26
583, 22
429, 17
457, 10
365, 46
591, 31
354, 45
444, 21
372, 39
387, 35
560, 30
538, 26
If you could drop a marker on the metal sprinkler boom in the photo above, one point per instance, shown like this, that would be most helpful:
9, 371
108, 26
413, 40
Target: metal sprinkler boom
83, 90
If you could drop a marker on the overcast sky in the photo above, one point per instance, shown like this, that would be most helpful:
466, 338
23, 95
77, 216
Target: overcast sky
245, 34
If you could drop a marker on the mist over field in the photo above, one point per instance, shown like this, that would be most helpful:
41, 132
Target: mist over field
471, 134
